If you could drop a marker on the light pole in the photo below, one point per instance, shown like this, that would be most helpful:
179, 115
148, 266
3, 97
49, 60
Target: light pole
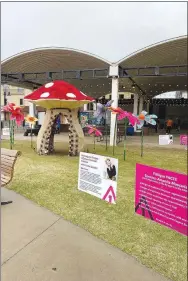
6, 93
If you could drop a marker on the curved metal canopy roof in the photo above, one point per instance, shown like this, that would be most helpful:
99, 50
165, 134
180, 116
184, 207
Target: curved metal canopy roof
52, 59
170, 52
58, 59
166, 53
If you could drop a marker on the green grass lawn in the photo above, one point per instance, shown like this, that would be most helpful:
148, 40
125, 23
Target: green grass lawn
51, 181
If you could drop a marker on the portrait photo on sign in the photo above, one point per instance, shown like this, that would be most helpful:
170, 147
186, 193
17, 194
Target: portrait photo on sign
110, 169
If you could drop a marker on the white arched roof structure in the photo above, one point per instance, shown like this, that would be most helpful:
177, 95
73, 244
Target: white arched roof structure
169, 52
58, 59
52, 59
174, 47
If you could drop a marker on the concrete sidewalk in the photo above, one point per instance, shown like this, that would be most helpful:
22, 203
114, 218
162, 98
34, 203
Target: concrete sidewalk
149, 141
40, 246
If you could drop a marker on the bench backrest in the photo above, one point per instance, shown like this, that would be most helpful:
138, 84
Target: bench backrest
8, 159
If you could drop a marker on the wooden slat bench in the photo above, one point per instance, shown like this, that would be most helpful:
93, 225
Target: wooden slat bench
8, 160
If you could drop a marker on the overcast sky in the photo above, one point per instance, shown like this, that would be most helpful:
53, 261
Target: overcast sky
109, 30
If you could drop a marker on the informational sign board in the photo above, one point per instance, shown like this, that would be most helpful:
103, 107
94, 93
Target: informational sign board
6, 131
161, 196
165, 139
98, 176
184, 139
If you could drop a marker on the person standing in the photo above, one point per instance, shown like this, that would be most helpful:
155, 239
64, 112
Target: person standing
178, 124
169, 124
157, 125
99, 114
58, 124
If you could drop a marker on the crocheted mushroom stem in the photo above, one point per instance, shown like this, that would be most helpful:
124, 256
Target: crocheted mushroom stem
45, 139
76, 136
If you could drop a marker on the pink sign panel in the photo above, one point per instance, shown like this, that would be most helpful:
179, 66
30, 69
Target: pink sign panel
183, 140
161, 196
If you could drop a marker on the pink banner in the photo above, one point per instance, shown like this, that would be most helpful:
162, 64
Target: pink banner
183, 140
161, 196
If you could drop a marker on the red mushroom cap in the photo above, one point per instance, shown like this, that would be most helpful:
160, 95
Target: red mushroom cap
58, 94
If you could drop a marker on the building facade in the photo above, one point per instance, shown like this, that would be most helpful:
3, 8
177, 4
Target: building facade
11, 94
14, 95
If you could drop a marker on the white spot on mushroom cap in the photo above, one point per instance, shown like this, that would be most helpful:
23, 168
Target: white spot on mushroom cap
71, 95
83, 94
48, 85
45, 95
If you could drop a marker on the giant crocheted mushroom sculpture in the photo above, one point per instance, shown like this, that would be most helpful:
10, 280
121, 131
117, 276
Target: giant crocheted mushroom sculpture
59, 97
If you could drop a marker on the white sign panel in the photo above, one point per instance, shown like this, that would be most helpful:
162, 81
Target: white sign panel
6, 131
41, 116
98, 176
165, 139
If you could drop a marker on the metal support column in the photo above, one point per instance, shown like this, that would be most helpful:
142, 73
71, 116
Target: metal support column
141, 104
32, 109
135, 107
115, 87
85, 107
147, 108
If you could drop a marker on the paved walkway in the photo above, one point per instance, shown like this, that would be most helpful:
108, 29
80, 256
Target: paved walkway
149, 141
40, 246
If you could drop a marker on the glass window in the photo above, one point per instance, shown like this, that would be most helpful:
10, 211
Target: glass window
21, 101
